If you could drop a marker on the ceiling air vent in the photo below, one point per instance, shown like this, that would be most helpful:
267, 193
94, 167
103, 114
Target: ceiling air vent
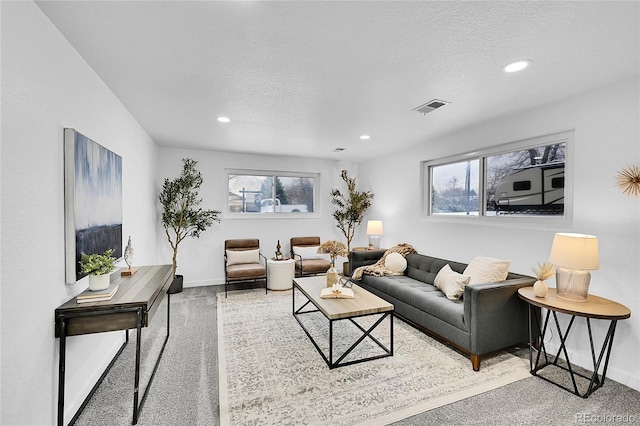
430, 106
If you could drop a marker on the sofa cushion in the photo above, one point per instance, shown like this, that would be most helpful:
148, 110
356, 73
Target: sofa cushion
451, 283
395, 262
422, 296
487, 270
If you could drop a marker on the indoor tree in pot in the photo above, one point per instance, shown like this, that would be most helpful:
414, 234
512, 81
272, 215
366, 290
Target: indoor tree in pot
350, 209
98, 267
182, 215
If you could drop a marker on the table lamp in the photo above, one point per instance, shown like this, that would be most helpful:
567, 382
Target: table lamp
574, 255
374, 230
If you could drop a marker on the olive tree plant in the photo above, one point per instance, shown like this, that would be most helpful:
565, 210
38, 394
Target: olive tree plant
182, 215
350, 207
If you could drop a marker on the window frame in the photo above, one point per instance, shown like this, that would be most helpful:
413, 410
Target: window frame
533, 221
273, 174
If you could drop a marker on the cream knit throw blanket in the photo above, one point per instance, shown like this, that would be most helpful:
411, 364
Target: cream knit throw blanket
378, 269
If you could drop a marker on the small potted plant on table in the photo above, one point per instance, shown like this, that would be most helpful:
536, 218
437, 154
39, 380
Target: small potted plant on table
98, 267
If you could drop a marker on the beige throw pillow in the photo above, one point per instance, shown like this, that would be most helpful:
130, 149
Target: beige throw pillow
395, 262
487, 270
236, 257
451, 283
309, 252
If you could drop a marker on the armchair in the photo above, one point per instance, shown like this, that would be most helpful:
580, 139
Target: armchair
243, 262
304, 250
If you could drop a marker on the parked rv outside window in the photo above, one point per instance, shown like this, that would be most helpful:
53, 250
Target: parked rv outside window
526, 180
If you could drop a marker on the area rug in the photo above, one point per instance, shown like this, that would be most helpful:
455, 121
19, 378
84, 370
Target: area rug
270, 372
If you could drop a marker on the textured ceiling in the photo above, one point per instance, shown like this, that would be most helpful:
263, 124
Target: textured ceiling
302, 78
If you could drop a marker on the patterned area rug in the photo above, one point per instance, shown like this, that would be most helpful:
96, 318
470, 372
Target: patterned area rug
270, 372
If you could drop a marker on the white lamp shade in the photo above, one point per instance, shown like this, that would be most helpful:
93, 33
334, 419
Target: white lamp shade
374, 227
575, 251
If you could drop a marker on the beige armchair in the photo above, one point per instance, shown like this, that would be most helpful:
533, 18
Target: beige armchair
308, 261
243, 262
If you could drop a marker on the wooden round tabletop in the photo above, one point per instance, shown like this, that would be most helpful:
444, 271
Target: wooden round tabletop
594, 307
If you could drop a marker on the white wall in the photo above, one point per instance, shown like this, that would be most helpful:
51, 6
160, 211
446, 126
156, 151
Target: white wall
201, 260
607, 138
46, 86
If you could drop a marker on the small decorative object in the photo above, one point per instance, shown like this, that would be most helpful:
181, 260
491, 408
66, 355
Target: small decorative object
345, 282
128, 259
278, 252
98, 267
333, 249
628, 179
336, 291
543, 271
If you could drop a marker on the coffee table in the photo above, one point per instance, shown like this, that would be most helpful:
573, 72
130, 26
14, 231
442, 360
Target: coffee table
363, 304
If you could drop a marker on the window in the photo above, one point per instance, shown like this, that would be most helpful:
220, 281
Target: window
261, 193
525, 178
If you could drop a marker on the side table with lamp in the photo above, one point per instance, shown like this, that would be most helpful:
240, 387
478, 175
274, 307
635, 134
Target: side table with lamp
574, 255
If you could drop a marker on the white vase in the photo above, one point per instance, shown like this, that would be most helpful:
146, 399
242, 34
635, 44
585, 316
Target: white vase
99, 282
540, 288
332, 276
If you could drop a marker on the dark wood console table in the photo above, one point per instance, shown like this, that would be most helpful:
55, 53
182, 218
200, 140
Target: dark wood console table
133, 306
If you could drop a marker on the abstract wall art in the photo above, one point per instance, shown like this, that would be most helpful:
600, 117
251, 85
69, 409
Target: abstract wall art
93, 201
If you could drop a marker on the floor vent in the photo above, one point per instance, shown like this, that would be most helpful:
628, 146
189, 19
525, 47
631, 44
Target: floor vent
430, 106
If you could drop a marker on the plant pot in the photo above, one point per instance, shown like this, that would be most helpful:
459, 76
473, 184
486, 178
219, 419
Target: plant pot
345, 269
99, 282
176, 285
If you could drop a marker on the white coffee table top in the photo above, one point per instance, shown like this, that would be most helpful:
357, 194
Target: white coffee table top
363, 303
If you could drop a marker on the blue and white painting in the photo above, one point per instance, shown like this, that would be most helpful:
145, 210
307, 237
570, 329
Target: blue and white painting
94, 182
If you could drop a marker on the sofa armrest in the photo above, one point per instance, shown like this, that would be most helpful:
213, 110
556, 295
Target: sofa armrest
359, 258
497, 317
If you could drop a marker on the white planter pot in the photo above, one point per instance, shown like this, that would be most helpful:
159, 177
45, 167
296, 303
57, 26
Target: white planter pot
99, 282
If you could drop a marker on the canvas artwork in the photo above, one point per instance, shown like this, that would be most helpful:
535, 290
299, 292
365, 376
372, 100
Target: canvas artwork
93, 201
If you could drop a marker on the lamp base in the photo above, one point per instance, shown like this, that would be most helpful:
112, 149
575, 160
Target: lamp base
374, 241
572, 284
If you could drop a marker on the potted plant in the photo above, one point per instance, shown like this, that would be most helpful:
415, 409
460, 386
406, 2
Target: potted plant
350, 209
98, 267
182, 215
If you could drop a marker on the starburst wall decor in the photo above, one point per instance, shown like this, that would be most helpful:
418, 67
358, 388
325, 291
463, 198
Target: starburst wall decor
628, 180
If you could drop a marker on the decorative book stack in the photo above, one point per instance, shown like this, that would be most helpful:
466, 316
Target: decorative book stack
88, 296
336, 292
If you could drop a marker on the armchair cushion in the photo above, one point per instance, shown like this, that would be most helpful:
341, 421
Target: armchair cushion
236, 257
246, 271
308, 252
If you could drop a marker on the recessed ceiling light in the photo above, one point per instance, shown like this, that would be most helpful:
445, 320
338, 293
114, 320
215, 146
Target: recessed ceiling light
224, 119
517, 65
365, 137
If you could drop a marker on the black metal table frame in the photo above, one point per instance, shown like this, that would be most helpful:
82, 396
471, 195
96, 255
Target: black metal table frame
388, 351
596, 380
62, 361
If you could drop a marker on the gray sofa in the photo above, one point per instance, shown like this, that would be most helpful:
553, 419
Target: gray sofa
488, 318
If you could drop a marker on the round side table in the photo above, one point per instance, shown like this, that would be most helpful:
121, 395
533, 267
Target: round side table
280, 274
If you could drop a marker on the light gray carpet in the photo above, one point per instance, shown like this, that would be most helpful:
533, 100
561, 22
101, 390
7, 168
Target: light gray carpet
185, 389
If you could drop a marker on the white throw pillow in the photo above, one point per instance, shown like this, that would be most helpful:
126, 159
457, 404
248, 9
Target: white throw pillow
451, 283
487, 270
309, 252
236, 257
395, 262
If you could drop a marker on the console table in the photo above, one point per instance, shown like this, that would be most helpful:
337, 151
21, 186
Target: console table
594, 308
133, 306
